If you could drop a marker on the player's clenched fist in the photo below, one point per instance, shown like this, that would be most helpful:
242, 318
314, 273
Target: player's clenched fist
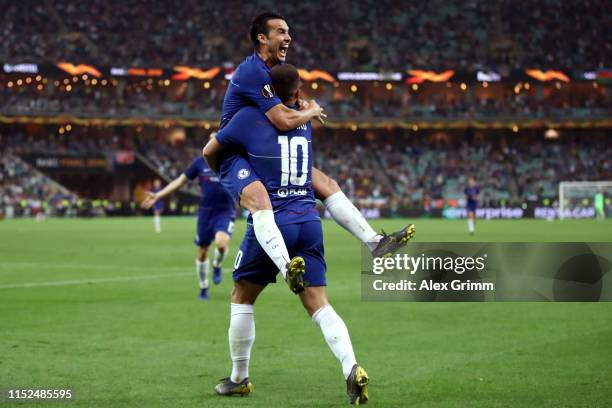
149, 200
317, 110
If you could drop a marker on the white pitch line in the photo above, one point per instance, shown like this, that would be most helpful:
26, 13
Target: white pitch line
8, 265
90, 281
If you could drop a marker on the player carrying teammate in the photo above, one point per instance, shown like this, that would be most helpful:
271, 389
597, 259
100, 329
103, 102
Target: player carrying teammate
283, 162
251, 85
216, 215
472, 193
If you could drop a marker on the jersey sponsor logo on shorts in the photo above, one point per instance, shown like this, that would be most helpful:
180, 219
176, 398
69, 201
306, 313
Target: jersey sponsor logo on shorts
286, 192
243, 173
267, 91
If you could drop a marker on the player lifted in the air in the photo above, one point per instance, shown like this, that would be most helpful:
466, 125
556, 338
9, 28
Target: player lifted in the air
216, 215
283, 162
472, 194
251, 85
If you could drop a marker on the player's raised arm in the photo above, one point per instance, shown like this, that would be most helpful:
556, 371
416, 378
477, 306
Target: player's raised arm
174, 185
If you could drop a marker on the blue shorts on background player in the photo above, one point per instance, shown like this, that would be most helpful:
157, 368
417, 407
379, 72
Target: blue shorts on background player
216, 215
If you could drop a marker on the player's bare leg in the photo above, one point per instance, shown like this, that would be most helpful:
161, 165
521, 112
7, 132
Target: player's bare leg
255, 199
337, 338
349, 217
241, 336
202, 266
222, 240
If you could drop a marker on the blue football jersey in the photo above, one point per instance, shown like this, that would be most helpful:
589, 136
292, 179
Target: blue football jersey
251, 85
214, 196
282, 160
471, 193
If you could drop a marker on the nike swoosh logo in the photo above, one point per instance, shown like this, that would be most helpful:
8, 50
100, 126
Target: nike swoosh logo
267, 242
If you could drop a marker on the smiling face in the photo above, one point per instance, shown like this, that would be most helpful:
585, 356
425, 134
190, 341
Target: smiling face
274, 46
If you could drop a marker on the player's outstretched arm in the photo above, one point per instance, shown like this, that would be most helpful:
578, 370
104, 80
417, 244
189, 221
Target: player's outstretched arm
284, 118
174, 185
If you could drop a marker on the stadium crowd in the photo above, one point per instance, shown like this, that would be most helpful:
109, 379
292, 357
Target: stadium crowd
347, 35
193, 101
166, 158
25, 191
513, 169
113, 99
377, 169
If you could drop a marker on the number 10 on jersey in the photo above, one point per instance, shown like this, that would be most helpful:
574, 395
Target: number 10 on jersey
289, 160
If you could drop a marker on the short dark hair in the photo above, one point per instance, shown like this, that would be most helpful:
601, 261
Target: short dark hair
260, 25
285, 80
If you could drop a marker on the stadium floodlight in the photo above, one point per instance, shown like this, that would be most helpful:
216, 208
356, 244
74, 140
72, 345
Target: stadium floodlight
580, 194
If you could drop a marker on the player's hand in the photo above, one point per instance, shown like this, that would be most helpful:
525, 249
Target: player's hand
317, 111
303, 104
321, 118
149, 201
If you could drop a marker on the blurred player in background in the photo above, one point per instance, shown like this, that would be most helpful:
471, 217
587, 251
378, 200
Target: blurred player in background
472, 194
251, 85
216, 215
158, 207
283, 162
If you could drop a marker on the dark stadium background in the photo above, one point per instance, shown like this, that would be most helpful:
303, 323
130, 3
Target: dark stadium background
94, 100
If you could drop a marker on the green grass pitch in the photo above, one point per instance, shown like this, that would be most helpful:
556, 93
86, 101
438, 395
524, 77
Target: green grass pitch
110, 309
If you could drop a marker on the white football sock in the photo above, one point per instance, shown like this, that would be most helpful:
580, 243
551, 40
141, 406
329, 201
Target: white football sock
157, 223
471, 225
349, 218
202, 271
271, 240
241, 338
337, 337
218, 258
